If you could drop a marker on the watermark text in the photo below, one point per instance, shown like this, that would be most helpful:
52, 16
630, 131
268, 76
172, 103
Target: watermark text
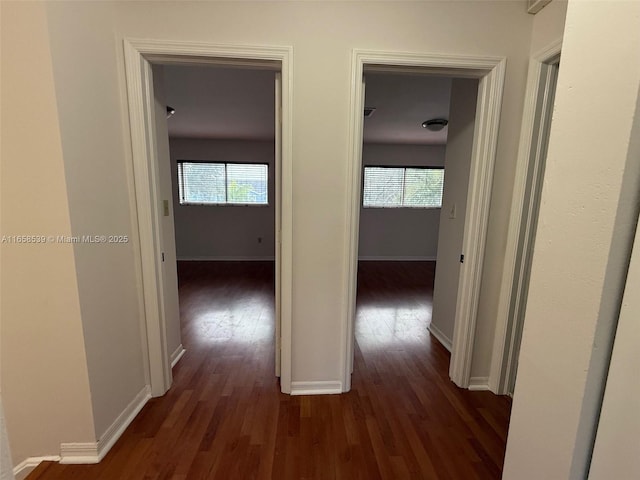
61, 239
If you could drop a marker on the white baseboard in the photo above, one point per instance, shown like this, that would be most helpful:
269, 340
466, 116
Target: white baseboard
205, 258
79, 453
479, 384
24, 468
392, 258
441, 337
177, 355
89, 452
117, 428
316, 388
94, 452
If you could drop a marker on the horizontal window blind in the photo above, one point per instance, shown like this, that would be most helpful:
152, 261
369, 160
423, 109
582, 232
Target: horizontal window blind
423, 187
383, 187
215, 183
395, 187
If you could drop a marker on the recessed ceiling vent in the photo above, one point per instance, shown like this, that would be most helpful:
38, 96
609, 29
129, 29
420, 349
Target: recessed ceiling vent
368, 111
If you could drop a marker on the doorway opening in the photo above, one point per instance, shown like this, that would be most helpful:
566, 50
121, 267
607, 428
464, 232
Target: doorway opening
489, 75
216, 152
412, 210
415, 178
141, 57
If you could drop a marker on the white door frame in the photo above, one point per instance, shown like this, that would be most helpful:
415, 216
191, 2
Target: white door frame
490, 73
511, 303
139, 54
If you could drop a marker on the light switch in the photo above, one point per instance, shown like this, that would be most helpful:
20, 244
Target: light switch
165, 207
452, 212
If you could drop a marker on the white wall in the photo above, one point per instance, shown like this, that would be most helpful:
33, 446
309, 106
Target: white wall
406, 233
617, 449
90, 97
43, 368
323, 36
462, 113
205, 232
548, 25
587, 218
86, 54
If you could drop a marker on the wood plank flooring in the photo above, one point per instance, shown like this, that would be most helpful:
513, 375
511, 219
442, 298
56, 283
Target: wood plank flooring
225, 418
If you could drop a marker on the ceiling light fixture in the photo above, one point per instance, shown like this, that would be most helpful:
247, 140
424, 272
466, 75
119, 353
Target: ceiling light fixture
435, 124
170, 111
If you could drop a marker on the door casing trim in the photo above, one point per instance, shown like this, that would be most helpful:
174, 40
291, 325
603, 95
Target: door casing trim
490, 72
510, 300
139, 54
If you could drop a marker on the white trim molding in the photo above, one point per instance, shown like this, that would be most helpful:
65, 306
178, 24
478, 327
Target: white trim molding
24, 468
117, 428
139, 55
490, 72
534, 6
89, 452
441, 337
479, 384
76, 453
94, 452
146, 178
316, 388
177, 355
511, 302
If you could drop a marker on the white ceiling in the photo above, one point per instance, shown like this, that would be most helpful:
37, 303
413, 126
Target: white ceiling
235, 103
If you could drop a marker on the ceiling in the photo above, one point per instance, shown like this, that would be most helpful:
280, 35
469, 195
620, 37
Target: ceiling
402, 103
237, 103
216, 102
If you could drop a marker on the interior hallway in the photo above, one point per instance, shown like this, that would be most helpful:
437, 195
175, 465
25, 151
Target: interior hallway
225, 418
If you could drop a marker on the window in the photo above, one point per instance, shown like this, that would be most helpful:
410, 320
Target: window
395, 187
214, 183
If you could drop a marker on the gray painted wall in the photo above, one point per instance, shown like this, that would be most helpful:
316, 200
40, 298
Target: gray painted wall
232, 232
167, 229
206, 232
456, 182
404, 233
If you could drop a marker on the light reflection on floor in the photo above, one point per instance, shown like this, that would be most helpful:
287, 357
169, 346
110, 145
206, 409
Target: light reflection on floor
394, 304
384, 326
227, 304
393, 310
246, 320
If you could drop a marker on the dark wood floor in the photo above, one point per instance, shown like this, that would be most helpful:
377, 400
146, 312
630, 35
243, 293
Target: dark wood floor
225, 418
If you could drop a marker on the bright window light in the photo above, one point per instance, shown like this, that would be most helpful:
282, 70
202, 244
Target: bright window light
216, 183
398, 187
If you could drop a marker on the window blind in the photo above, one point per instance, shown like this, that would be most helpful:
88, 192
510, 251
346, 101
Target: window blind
216, 183
395, 187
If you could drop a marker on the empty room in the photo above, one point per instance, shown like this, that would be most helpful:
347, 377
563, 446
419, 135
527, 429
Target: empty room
222, 171
416, 154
